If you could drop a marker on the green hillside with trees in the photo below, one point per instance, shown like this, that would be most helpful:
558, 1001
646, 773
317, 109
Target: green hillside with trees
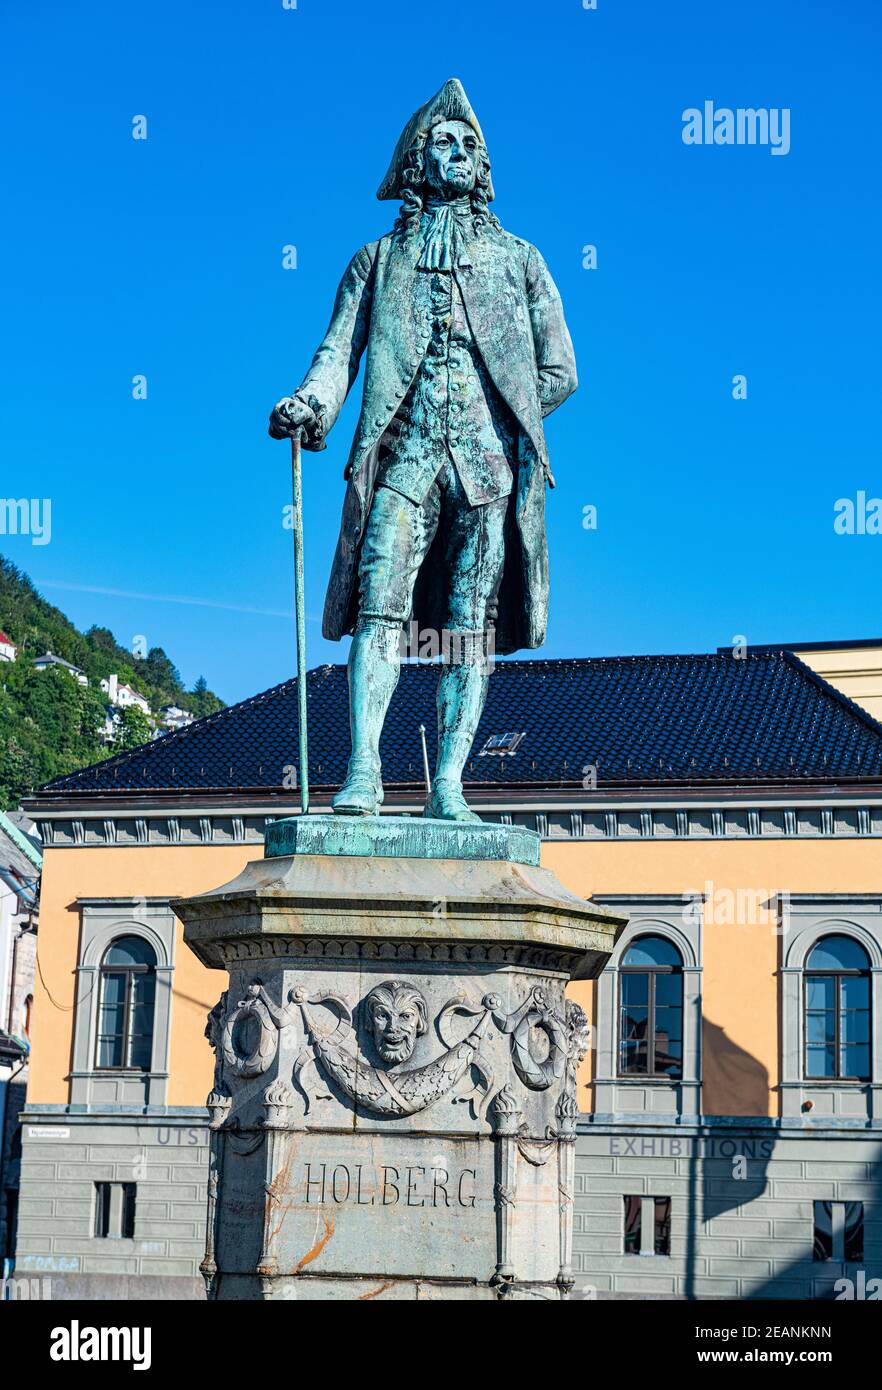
49, 723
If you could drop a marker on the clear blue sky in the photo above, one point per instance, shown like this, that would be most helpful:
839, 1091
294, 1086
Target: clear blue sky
269, 126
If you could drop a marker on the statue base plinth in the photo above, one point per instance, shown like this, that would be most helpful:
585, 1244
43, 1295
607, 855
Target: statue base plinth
395, 1099
400, 837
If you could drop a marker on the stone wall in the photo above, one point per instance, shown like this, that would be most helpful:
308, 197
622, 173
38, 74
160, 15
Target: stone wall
65, 1155
742, 1209
747, 1236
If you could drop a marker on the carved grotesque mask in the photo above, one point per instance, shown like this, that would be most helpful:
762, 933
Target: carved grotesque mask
397, 1016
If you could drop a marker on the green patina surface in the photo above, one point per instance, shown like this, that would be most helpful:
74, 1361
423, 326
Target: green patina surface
400, 837
466, 353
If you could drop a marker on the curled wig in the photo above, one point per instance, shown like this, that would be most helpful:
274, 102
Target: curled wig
413, 197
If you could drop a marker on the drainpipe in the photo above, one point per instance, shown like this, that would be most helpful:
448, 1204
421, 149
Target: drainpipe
22, 931
4, 1107
10, 1005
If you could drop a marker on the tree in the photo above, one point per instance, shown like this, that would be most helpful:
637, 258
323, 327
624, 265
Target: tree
17, 774
202, 701
49, 724
133, 728
161, 677
101, 639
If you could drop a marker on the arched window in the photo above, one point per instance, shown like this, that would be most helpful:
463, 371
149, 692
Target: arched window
837, 1011
651, 1012
125, 1008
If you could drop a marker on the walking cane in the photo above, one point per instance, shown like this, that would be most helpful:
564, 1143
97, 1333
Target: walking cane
297, 488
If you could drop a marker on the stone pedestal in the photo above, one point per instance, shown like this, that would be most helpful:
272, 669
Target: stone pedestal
394, 1106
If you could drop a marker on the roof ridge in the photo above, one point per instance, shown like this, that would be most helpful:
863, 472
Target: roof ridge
719, 655
839, 696
767, 712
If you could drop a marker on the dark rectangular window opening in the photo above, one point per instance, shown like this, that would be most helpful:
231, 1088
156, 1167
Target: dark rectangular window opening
115, 1210
662, 1225
102, 1209
638, 1213
854, 1231
633, 1212
839, 1231
129, 1190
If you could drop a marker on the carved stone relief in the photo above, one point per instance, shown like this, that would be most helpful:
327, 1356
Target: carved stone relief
547, 1044
397, 1015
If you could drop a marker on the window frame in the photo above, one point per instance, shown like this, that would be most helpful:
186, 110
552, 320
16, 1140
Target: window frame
130, 972
678, 920
102, 921
101, 1214
115, 1210
129, 1210
839, 1235
658, 1218
804, 919
837, 975
651, 970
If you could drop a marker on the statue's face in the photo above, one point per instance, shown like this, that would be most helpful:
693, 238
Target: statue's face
397, 1017
452, 153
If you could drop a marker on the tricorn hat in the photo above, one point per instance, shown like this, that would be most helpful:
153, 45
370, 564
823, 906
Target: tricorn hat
450, 104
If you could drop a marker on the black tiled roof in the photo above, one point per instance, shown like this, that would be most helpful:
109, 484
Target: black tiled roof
653, 720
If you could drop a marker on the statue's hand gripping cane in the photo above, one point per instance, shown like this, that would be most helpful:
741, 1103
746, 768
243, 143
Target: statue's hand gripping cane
291, 419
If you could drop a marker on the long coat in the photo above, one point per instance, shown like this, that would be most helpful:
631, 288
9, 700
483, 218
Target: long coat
516, 317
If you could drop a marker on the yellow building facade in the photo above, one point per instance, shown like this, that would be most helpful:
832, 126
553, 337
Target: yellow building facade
731, 1124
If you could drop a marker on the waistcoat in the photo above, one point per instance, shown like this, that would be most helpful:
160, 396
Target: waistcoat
452, 410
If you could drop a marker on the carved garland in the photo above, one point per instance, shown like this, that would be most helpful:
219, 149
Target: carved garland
399, 1015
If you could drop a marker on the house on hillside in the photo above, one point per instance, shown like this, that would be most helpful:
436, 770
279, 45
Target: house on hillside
43, 663
123, 696
173, 717
7, 647
107, 732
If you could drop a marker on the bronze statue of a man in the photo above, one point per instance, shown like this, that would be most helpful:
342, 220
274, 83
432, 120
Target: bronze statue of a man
444, 517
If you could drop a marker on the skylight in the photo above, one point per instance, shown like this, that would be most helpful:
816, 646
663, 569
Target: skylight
501, 745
